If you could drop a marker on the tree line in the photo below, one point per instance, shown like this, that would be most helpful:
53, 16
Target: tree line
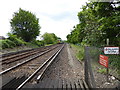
98, 21
24, 29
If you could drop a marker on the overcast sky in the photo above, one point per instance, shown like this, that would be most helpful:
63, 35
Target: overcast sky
55, 16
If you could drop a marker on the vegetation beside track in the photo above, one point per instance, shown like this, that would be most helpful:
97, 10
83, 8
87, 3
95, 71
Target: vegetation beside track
79, 51
13, 41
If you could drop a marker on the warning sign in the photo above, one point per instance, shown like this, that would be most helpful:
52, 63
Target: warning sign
103, 60
111, 50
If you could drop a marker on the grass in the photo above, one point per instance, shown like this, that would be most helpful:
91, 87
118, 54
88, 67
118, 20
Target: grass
102, 71
31, 45
48, 44
79, 51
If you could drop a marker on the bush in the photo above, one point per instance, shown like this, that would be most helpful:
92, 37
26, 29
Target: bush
38, 43
7, 44
16, 40
79, 51
11, 44
41, 43
4, 44
19, 42
1, 44
102, 71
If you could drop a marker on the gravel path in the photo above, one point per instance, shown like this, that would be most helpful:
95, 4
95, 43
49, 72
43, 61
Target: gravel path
74, 63
65, 66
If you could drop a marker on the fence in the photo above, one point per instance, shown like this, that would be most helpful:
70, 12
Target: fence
95, 74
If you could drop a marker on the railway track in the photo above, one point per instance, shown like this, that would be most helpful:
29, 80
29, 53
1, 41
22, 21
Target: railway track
18, 52
17, 60
5, 70
20, 55
56, 77
62, 84
37, 74
23, 51
37, 71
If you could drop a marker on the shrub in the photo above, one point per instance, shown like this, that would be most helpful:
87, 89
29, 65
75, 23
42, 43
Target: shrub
4, 44
11, 44
102, 71
1, 43
38, 43
79, 51
16, 40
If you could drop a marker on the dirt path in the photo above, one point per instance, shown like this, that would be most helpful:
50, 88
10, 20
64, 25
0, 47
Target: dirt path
65, 66
76, 66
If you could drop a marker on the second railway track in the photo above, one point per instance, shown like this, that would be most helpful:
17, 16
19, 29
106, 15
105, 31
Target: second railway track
18, 56
20, 59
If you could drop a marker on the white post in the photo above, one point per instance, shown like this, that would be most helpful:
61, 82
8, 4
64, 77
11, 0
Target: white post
107, 41
107, 69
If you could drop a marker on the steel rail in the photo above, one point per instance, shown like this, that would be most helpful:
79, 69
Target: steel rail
23, 52
85, 85
47, 63
19, 64
28, 53
20, 54
40, 76
19, 58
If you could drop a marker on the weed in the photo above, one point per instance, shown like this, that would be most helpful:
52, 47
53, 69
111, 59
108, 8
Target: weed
79, 51
102, 71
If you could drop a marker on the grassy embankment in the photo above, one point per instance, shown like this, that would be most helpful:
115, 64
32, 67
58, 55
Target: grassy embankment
13, 44
79, 51
114, 60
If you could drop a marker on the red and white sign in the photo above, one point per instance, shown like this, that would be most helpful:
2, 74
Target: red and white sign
103, 60
111, 50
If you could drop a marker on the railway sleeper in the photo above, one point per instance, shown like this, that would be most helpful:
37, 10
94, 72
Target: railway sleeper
14, 83
62, 84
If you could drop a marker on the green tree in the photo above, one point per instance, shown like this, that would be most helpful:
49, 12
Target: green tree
74, 36
89, 27
25, 25
54, 36
98, 21
50, 38
109, 20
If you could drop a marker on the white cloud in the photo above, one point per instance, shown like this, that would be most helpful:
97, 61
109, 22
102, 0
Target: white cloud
55, 16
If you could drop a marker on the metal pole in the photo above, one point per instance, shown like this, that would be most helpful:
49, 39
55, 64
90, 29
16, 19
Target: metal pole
107, 41
107, 69
107, 74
